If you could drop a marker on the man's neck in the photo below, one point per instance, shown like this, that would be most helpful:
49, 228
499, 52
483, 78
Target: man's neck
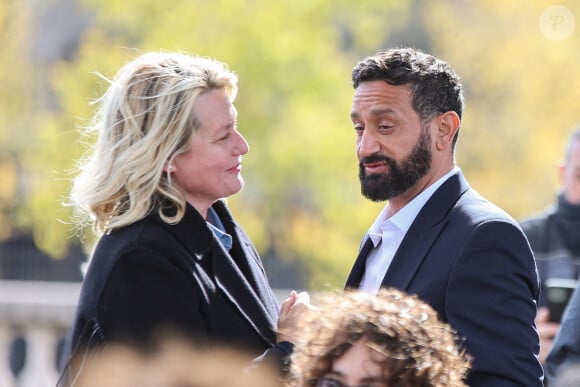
396, 203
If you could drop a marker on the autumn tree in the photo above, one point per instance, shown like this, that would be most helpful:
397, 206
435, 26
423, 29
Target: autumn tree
16, 118
301, 202
519, 61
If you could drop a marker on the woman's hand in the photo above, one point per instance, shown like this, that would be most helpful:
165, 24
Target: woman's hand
290, 313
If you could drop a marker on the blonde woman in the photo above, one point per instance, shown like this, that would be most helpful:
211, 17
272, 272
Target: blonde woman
170, 257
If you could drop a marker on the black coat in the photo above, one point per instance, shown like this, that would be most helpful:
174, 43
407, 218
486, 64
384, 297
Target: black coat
151, 275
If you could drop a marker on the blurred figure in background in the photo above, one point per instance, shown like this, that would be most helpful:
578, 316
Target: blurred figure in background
563, 360
555, 238
569, 377
170, 257
388, 340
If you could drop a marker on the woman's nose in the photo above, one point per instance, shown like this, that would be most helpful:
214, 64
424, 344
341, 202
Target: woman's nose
242, 146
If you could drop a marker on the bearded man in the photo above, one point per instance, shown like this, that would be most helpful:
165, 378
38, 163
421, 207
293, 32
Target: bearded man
437, 237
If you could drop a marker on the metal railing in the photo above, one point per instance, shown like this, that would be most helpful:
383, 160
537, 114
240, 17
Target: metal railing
34, 315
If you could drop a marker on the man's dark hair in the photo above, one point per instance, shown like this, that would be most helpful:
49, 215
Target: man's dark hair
435, 87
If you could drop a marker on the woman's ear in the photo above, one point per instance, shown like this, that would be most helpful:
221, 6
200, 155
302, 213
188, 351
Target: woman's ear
168, 167
447, 126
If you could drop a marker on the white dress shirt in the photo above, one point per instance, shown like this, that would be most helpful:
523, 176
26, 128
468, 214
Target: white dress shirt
387, 233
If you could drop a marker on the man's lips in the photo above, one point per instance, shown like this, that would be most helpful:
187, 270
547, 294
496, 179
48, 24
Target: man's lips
376, 167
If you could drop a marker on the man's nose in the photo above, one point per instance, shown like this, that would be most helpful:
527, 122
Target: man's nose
367, 144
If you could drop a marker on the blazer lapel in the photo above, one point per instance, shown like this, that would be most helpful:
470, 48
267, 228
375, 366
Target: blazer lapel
358, 269
411, 253
423, 232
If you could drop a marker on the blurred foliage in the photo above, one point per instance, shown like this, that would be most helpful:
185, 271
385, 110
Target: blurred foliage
522, 95
294, 58
16, 116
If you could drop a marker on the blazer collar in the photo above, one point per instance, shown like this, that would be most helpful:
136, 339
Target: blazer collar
424, 231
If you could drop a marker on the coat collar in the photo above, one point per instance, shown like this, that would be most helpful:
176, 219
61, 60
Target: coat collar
246, 287
248, 275
191, 230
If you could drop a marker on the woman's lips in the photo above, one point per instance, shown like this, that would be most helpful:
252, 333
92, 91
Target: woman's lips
236, 168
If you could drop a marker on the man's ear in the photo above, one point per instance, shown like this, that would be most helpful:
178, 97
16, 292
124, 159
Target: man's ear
562, 172
447, 126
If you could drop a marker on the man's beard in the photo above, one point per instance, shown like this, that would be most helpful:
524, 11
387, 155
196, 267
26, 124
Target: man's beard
400, 177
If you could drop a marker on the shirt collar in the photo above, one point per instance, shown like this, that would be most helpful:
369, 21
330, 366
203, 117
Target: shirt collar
216, 226
403, 218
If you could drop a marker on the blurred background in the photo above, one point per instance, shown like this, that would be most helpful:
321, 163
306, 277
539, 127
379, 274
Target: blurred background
518, 60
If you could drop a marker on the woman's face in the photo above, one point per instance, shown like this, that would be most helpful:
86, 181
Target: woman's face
360, 365
211, 168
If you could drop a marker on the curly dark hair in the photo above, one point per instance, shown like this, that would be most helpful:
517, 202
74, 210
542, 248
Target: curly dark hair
420, 350
435, 87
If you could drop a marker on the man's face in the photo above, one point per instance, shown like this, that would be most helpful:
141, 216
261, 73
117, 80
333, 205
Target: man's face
570, 174
393, 148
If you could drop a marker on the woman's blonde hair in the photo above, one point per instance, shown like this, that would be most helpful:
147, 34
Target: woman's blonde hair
143, 122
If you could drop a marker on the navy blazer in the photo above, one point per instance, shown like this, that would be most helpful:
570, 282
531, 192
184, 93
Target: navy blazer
472, 263
151, 276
